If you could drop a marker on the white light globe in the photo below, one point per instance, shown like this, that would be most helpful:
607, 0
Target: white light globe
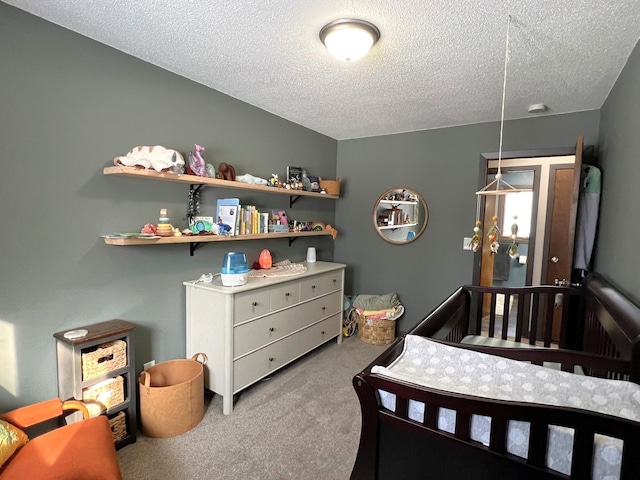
349, 40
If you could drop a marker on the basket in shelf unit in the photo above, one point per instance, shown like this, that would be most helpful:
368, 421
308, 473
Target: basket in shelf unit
104, 395
103, 358
118, 425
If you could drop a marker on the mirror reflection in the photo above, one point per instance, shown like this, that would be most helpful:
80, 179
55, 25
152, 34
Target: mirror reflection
400, 215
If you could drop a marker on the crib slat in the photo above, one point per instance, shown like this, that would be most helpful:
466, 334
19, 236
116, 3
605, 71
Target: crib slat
630, 461
431, 416
498, 440
533, 332
402, 407
522, 299
582, 453
548, 318
492, 315
505, 316
463, 426
538, 437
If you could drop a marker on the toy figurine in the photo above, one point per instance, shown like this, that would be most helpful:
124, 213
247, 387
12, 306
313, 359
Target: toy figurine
196, 164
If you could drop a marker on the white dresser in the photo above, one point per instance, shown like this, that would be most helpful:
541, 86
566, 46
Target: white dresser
250, 331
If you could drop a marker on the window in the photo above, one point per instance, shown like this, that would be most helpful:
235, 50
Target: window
517, 204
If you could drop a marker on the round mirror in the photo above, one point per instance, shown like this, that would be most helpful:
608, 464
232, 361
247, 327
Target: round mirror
400, 215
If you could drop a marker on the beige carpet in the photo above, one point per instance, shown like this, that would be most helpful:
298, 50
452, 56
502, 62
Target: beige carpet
303, 423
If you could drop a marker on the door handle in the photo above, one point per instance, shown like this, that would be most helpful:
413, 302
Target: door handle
555, 259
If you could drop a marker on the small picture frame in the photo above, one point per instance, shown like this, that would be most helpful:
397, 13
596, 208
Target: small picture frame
294, 175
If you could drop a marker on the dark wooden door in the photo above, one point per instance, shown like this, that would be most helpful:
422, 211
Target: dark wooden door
558, 252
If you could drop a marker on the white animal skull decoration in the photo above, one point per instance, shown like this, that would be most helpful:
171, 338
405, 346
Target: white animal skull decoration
157, 157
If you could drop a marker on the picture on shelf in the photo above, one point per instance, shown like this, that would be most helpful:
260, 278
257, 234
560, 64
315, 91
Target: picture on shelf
294, 175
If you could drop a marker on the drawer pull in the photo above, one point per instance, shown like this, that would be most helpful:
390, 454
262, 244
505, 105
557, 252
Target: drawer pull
254, 304
287, 294
324, 308
271, 329
335, 281
322, 332
313, 287
271, 359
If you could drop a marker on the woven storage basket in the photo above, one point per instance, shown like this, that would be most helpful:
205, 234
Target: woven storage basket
118, 426
376, 331
172, 396
104, 358
104, 395
332, 187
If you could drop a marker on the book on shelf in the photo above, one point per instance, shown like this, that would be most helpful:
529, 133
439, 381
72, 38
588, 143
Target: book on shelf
227, 210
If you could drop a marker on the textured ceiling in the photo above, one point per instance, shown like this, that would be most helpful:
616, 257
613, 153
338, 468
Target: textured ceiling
438, 63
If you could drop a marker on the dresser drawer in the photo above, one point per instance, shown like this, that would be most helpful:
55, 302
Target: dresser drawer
256, 365
255, 334
312, 287
251, 304
332, 281
319, 333
321, 307
285, 295
320, 284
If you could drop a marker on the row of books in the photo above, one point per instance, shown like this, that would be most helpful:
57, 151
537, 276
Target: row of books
247, 219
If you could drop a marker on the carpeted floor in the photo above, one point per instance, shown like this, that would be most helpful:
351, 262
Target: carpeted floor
303, 423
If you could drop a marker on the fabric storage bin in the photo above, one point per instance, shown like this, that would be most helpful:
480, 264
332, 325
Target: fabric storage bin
103, 359
172, 396
376, 331
104, 395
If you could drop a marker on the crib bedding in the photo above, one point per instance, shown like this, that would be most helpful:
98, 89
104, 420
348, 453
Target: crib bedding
443, 367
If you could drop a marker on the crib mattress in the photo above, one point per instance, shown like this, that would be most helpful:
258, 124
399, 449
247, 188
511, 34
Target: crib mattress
443, 367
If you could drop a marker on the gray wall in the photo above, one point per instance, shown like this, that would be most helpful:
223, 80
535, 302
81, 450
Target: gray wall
619, 227
443, 165
69, 106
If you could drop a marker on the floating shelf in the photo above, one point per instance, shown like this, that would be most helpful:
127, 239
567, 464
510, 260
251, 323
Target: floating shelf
195, 241
393, 227
209, 238
210, 182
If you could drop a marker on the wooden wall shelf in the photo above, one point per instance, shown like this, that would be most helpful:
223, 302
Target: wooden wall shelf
210, 182
209, 238
195, 241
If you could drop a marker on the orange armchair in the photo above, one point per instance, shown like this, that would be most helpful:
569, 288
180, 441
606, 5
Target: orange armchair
80, 450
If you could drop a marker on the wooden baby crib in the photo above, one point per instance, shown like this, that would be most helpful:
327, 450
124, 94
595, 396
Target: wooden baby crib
599, 337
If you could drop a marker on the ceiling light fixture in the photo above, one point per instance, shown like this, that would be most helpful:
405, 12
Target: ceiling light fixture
537, 108
349, 39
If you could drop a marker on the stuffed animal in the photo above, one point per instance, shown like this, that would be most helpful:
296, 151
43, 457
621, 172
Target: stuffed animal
157, 157
226, 172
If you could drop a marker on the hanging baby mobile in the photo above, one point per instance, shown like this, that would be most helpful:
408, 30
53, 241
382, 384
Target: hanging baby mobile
513, 248
497, 187
493, 234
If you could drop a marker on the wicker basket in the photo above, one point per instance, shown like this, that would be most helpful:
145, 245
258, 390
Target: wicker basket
332, 187
103, 359
172, 396
118, 426
104, 395
376, 331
